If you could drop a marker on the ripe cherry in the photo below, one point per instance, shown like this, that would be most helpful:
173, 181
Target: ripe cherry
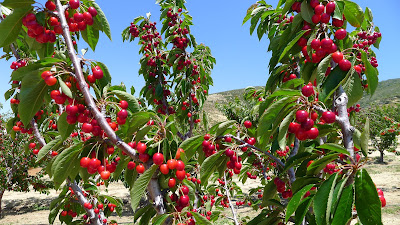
207, 137
141, 147
319, 9
180, 174
35, 151
32, 145
329, 117
308, 124
316, 18
337, 57
330, 7
325, 18
71, 109
180, 165
340, 34
144, 157
87, 127
123, 114
315, 44
247, 124
53, 21
326, 43
314, 3
184, 200
140, 169
178, 153
74, 4
307, 90
301, 115
131, 165
337, 23
345, 65
293, 127
50, 80
158, 158
171, 182
92, 11
301, 134
50, 5
71, 119
171, 164
110, 149
313, 133
97, 72
78, 17
84, 162
164, 168
105, 175
123, 104
185, 190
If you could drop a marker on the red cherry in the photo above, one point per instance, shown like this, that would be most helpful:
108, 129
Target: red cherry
380, 192
329, 117
92, 11
50, 80
308, 124
78, 17
131, 165
74, 4
337, 23
171, 182
345, 65
247, 124
325, 18
105, 175
71, 109
326, 43
32, 145
123, 104
314, 3
71, 119
53, 21
383, 201
164, 168
340, 34
178, 153
185, 190
313, 133
123, 114
180, 165
180, 174
287, 194
97, 72
301, 115
315, 44
302, 41
144, 157
140, 169
189, 114
337, 57
141, 147
158, 158
307, 90
87, 127
301, 134
94, 163
207, 137
110, 150
171, 164
319, 9
316, 18
330, 7
50, 5
293, 127
35, 151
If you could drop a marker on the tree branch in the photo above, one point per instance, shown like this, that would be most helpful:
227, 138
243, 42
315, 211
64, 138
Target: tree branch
230, 202
292, 175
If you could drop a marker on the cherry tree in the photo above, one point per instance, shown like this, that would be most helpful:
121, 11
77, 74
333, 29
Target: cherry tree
92, 133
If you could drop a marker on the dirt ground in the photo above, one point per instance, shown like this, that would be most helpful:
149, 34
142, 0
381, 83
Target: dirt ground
32, 207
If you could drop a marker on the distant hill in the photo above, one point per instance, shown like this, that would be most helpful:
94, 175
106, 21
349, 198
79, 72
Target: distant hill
388, 92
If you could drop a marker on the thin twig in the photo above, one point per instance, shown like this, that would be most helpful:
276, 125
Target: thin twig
230, 201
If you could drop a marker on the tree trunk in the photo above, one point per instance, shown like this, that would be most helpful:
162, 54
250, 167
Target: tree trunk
381, 156
1, 197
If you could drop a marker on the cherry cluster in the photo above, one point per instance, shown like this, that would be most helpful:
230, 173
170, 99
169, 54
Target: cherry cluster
281, 188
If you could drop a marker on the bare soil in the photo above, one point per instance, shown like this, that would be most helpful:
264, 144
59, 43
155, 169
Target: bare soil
32, 207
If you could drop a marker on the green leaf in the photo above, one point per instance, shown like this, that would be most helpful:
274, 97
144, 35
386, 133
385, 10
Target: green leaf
295, 201
321, 199
103, 20
378, 41
138, 120
368, 204
332, 83
91, 36
64, 162
338, 13
334, 147
370, 72
353, 13
224, 126
285, 92
353, 89
208, 167
158, 220
302, 210
317, 166
190, 145
344, 209
365, 138
301, 182
269, 192
292, 43
63, 127
288, 5
200, 220
132, 101
11, 26
283, 129
322, 67
32, 69
17, 3
142, 132
139, 187
307, 12
46, 149
64, 88
33, 90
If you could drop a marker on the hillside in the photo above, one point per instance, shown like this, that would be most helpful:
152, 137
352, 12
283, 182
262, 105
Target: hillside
388, 92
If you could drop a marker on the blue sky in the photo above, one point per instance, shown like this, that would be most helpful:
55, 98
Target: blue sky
242, 59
